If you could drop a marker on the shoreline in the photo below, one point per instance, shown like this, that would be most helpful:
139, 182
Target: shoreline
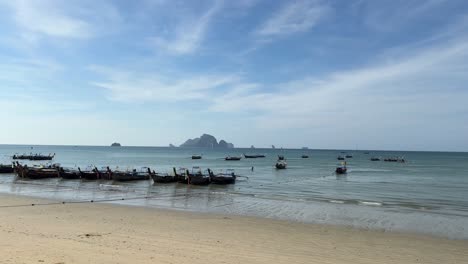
127, 202
115, 233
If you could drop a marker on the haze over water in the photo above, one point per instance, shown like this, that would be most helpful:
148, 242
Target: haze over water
425, 195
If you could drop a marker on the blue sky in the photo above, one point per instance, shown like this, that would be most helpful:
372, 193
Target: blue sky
323, 74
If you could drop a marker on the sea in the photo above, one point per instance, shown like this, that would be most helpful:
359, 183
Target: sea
428, 194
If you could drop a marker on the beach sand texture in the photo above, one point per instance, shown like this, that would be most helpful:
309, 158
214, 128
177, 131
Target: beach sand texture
105, 233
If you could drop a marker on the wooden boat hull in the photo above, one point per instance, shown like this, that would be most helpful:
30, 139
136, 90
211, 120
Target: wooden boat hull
6, 169
198, 180
232, 158
280, 166
341, 170
129, 176
163, 178
88, 175
70, 175
39, 174
223, 179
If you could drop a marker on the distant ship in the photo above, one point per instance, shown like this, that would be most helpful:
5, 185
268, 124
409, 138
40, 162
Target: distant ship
115, 144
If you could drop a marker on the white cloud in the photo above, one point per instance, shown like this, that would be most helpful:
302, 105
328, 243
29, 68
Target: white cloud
426, 85
189, 33
298, 16
44, 17
62, 19
130, 86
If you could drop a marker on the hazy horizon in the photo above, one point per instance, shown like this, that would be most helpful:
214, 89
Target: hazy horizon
376, 75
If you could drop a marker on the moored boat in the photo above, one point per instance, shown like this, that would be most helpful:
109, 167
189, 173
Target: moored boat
375, 159
88, 174
128, 175
162, 177
33, 156
340, 158
305, 156
196, 157
281, 164
253, 156
6, 168
341, 169
69, 174
197, 177
227, 177
349, 156
39, 172
181, 175
232, 158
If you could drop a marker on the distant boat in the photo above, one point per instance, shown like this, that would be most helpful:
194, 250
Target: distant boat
280, 157
375, 159
340, 158
305, 156
232, 158
33, 157
366, 152
281, 164
342, 169
253, 156
395, 159
349, 156
196, 157
116, 144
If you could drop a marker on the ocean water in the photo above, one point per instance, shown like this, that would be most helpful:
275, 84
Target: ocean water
427, 194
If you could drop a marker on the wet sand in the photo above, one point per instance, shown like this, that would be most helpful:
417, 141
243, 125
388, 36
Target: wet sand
105, 233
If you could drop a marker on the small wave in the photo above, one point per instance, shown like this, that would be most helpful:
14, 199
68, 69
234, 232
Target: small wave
370, 203
336, 201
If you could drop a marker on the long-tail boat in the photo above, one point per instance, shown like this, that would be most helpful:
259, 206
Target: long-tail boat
88, 174
232, 158
197, 177
6, 168
41, 172
341, 169
253, 156
196, 157
281, 164
34, 156
228, 177
128, 175
69, 174
162, 177
103, 173
181, 175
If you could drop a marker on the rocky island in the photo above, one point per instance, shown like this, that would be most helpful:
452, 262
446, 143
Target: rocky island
206, 141
115, 144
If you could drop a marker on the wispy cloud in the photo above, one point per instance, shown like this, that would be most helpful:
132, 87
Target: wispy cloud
413, 84
128, 86
294, 17
61, 19
45, 17
189, 33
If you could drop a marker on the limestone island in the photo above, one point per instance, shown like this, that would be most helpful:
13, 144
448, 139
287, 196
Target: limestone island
206, 141
115, 144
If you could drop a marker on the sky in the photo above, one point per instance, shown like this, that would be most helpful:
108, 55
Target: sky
376, 74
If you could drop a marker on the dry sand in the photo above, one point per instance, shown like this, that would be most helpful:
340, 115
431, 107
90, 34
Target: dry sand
104, 233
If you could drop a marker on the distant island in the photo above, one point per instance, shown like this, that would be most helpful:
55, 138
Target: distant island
115, 144
206, 141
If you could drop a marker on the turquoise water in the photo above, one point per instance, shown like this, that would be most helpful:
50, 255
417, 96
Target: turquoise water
428, 194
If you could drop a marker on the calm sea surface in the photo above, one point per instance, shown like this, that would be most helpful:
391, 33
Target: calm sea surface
428, 194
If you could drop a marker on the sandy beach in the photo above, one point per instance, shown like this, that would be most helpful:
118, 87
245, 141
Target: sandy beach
105, 233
